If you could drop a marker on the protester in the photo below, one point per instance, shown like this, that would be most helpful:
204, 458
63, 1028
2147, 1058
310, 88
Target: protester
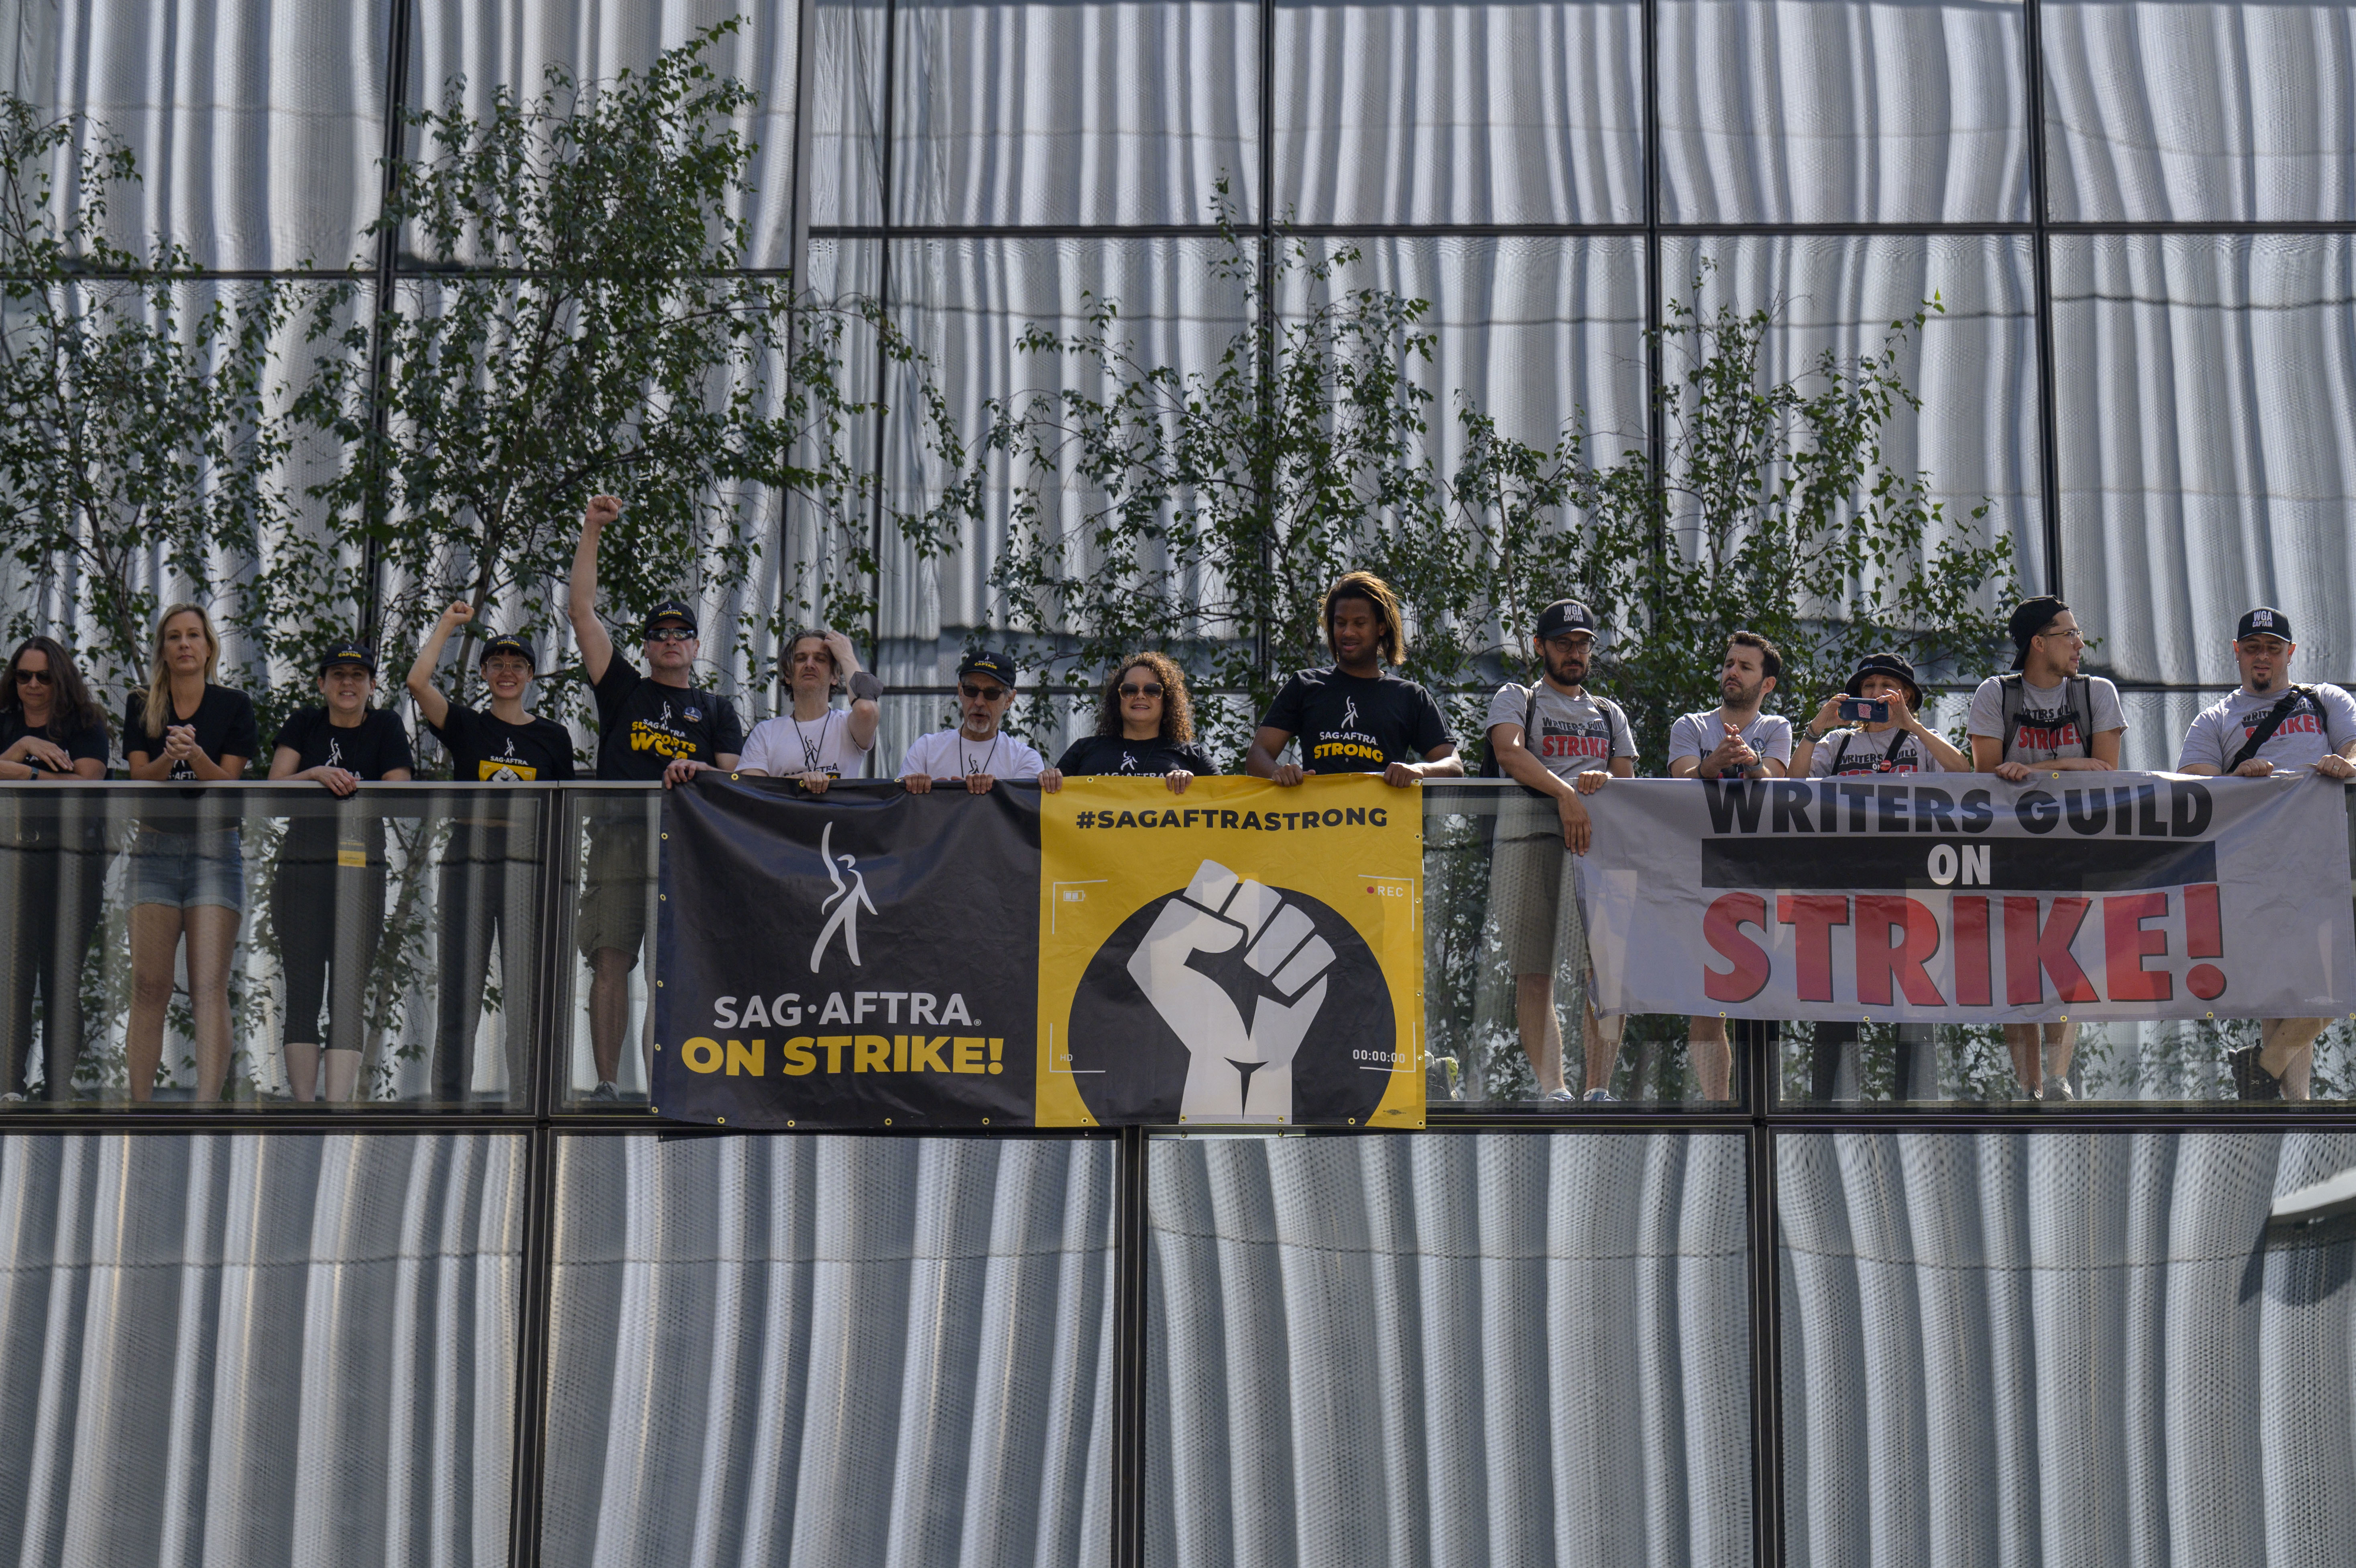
51, 728
1558, 739
1828, 748
1735, 741
485, 889
327, 902
814, 741
652, 726
2047, 715
977, 752
1145, 725
2270, 726
1354, 715
186, 865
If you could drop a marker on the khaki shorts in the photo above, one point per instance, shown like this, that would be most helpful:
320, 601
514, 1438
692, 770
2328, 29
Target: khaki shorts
618, 891
1533, 894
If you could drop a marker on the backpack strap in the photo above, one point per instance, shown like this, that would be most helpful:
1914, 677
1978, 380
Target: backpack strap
2008, 692
1841, 751
2082, 707
2272, 722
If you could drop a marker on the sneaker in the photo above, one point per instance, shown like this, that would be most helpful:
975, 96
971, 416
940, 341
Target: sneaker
1601, 1097
2058, 1091
12, 1098
2252, 1082
1560, 1097
606, 1090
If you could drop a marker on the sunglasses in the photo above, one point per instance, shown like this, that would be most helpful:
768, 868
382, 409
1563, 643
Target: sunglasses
34, 678
670, 634
1154, 690
991, 694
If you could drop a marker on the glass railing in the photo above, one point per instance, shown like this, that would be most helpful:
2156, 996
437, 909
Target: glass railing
428, 946
264, 945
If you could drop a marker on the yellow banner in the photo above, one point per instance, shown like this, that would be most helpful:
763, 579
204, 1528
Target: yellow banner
1238, 953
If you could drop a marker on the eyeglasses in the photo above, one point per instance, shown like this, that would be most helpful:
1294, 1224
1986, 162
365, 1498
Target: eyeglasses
991, 694
670, 634
506, 667
34, 678
1140, 691
2072, 633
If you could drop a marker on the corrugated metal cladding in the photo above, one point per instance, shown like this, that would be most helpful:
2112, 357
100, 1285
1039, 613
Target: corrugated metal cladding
1529, 1348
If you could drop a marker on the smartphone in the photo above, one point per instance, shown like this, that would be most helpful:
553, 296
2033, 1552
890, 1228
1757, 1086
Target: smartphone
1864, 710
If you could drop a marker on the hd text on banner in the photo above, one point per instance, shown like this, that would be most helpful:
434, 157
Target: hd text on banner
1108, 955
1967, 899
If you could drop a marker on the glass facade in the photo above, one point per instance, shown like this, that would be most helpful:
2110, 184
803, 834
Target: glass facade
1870, 1310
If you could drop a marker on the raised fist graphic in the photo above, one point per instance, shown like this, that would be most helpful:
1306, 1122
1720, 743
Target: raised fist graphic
1240, 1071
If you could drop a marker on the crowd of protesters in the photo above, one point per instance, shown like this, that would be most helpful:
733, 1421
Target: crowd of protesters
184, 875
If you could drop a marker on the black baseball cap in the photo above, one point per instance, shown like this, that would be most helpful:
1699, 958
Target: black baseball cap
999, 667
1889, 664
343, 653
1564, 616
509, 644
678, 610
2264, 619
2028, 621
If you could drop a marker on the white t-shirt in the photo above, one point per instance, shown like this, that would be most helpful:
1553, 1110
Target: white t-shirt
787, 747
1870, 753
2048, 729
947, 754
2303, 739
1569, 735
1697, 735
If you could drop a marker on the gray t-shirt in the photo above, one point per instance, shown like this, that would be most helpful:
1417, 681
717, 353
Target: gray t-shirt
1868, 753
1569, 735
2303, 739
1697, 735
2048, 729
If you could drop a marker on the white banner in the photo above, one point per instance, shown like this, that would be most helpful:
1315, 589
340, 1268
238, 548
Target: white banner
1961, 898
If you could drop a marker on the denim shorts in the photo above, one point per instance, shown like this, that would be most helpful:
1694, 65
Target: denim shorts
181, 871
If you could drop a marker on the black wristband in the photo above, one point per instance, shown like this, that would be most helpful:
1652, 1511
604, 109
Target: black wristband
864, 687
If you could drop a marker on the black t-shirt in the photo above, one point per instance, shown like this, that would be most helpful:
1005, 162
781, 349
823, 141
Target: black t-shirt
40, 826
1111, 754
1348, 723
370, 748
87, 741
486, 750
225, 726
320, 833
644, 726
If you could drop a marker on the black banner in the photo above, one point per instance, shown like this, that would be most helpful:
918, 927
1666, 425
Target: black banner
865, 959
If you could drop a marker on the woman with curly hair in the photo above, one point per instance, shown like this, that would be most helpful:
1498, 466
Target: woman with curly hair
1145, 725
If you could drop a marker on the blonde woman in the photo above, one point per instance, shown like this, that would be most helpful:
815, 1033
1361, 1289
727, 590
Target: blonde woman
186, 864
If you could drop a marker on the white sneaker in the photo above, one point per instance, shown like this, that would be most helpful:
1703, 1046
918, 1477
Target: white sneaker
12, 1098
1601, 1097
606, 1090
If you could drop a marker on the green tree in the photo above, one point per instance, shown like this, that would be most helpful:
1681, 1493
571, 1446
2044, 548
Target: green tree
1771, 507
1223, 503
585, 327
140, 420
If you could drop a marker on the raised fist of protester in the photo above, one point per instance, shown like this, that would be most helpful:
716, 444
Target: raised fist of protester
2256, 767
459, 613
603, 510
1578, 827
1240, 1072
